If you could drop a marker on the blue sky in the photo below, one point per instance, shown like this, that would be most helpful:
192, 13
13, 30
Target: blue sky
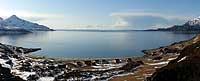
102, 14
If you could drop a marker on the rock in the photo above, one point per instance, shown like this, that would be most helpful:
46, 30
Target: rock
71, 65
9, 62
52, 67
157, 58
140, 62
97, 61
66, 76
26, 50
46, 62
129, 60
184, 68
29, 50
5, 57
26, 66
61, 65
17, 57
129, 66
173, 48
6, 49
5, 75
94, 64
32, 77
117, 61
105, 61
88, 62
79, 64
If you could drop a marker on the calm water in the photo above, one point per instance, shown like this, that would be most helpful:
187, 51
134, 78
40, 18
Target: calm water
82, 44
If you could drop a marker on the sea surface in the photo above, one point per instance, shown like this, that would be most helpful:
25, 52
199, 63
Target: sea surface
94, 44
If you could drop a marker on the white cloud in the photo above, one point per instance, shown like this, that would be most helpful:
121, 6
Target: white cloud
166, 16
120, 22
28, 14
52, 20
145, 20
133, 19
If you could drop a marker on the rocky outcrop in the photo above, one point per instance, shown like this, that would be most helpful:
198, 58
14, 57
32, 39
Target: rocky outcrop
5, 75
15, 49
9, 55
184, 68
174, 48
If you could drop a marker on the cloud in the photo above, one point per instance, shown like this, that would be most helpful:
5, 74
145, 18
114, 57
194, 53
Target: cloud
33, 16
145, 20
52, 20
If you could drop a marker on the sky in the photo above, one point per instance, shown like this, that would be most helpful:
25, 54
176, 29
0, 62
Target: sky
102, 14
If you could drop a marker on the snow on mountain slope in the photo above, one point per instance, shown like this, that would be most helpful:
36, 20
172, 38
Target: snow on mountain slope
1, 25
1, 19
15, 22
194, 22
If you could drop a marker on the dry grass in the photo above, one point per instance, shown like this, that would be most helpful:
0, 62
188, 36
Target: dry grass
143, 70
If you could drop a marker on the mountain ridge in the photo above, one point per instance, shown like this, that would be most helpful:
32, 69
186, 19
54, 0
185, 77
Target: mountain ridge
190, 25
14, 22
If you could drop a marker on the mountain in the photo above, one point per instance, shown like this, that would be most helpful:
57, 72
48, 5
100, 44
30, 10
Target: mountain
194, 22
15, 22
186, 67
1, 19
191, 25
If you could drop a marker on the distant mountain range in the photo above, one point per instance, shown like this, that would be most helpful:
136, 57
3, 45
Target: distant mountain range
15, 23
191, 25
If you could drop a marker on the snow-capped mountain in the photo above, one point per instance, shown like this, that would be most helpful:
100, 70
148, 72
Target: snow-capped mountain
1, 25
1, 19
191, 25
15, 22
193, 22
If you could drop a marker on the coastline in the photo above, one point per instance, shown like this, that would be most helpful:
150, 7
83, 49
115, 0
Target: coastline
30, 67
147, 66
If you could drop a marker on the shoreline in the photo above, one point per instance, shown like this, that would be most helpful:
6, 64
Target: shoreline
22, 64
95, 58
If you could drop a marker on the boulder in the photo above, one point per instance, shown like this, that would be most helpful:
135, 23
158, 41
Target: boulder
61, 66
5, 75
173, 48
140, 62
79, 64
129, 66
117, 61
88, 62
157, 58
184, 68
105, 61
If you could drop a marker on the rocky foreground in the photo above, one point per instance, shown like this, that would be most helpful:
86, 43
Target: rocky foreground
176, 62
17, 65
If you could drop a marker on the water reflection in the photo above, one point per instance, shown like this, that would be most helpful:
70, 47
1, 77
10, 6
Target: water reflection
77, 44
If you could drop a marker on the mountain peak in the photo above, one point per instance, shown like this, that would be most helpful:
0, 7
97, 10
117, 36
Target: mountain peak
1, 19
196, 19
16, 22
193, 22
13, 17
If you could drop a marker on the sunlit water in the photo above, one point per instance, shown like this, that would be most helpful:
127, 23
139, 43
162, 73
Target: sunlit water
82, 44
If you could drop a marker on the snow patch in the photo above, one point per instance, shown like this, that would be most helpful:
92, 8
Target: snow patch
23, 75
183, 58
159, 63
46, 79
